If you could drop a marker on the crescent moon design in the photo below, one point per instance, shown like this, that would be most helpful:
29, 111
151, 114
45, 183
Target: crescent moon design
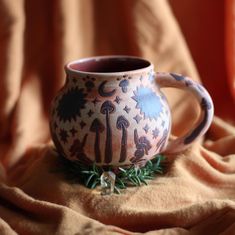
104, 93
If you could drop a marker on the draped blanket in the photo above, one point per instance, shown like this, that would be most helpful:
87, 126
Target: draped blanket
196, 195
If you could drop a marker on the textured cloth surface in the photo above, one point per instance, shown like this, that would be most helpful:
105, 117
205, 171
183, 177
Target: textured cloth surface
197, 193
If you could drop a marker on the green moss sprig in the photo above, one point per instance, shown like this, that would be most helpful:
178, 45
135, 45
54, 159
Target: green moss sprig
90, 175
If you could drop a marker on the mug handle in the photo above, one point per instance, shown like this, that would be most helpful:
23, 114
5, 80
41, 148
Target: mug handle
206, 105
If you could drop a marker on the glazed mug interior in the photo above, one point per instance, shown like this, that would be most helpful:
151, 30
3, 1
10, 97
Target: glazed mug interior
109, 64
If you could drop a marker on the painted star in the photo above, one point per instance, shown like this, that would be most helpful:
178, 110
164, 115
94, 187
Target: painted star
155, 133
82, 124
63, 135
127, 109
95, 101
146, 128
117, 99
73, 131
90, 113
137, 118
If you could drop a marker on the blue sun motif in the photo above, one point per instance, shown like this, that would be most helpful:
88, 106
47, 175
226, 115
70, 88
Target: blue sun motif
148, 102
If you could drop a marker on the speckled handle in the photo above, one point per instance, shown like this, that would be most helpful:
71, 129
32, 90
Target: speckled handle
206, 104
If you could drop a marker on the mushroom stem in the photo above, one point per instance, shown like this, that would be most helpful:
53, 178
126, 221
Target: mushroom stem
136, 138
108, 143
97, 127
123, 145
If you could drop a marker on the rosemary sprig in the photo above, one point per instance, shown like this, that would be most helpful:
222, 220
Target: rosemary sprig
89, 175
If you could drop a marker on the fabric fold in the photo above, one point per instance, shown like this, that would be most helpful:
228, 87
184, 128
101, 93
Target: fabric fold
196, 193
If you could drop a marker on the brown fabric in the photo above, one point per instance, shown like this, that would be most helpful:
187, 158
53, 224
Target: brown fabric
195, 196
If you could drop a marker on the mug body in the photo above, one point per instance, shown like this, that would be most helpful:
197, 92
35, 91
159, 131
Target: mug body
110, 112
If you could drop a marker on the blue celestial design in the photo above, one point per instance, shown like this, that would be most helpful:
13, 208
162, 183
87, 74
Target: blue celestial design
148, 102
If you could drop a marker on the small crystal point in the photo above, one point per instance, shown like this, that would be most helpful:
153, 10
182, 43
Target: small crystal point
107, 180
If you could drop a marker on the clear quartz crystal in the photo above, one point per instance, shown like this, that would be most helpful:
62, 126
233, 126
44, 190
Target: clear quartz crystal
107, 180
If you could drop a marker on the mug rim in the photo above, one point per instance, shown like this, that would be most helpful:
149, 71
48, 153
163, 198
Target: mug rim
68, 68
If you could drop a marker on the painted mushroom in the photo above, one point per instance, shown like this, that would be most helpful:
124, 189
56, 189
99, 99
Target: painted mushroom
142, 145
124, 84
97, 127
123, 124
77, 150
107, 108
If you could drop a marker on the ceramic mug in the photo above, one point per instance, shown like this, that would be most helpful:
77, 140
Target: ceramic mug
111, 111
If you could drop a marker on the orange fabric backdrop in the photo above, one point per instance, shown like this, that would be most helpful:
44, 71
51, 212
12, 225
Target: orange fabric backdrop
208, 27
196, 195
230, 42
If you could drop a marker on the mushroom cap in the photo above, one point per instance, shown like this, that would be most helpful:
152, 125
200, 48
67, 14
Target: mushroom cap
122, 122
124, 83
107, 106
97, 125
